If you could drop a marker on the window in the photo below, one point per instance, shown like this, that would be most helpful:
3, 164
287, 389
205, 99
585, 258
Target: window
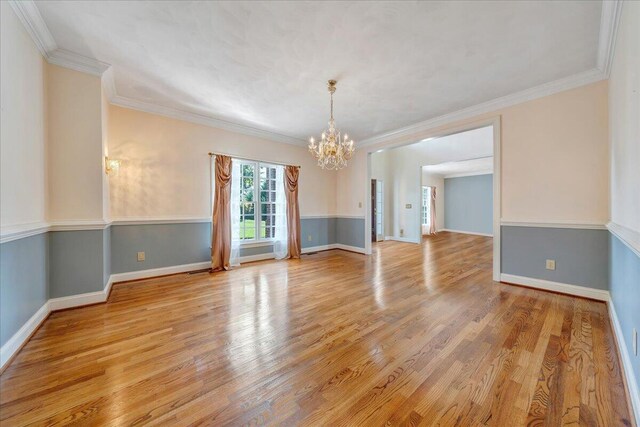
426, 205
257, 201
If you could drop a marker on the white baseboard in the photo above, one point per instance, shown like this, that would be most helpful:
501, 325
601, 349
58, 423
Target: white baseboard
467, 232
19, 338
400, 239
163, 271
547, 285
77, 300
318, 248
627, 367
258, 257
350, 248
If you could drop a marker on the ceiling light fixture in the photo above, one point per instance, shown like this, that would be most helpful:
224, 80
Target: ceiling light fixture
334, 150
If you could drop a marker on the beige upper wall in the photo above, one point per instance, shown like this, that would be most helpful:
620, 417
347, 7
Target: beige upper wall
23, 135
554, 159
76, 164
624, 108
165, 167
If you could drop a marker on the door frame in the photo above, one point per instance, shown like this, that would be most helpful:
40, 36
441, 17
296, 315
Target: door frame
439, 132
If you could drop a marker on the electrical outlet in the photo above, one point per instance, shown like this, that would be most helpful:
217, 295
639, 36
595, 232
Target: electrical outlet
550, 264
309, 238
408, 206
140, 256
401, 232
359, 204
635, 342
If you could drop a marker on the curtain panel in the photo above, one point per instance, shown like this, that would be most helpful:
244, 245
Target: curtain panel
432, 212
221, 224
294, 246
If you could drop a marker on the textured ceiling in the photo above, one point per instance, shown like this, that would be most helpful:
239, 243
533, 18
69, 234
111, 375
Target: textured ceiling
484, 164
266, 64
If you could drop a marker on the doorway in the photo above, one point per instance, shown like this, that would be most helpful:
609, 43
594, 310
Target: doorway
377, 213
401, 167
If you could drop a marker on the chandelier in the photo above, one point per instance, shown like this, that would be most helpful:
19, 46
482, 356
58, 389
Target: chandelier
334, 150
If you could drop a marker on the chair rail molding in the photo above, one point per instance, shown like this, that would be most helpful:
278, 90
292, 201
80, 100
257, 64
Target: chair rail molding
555, 224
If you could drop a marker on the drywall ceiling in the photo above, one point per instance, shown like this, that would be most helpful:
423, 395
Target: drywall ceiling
468, 145
465, 167
265, 64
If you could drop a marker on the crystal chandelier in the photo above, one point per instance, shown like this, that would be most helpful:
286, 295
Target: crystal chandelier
334, 150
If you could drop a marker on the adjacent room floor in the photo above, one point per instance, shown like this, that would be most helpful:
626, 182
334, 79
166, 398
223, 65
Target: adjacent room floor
415, 334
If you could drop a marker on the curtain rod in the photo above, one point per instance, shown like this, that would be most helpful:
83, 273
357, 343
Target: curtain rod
252, 160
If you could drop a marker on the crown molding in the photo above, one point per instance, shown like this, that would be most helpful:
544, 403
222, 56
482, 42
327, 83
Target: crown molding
77, 62
609, 20
464, 174
571, 82
202, 119
32, 21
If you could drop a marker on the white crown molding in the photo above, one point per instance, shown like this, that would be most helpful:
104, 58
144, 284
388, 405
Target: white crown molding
74, 61
629, 237
109, 84
627, 366
461, 175
32, 21
555, 224
563, 288
202, 119
609, 20
571, 82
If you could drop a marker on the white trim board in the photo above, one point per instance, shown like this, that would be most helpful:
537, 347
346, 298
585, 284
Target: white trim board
563, 288
401, 239
21, 231
465, 174
15, 343
159, 220
467, 232
555, 224
628, 236
155, 272
627, 366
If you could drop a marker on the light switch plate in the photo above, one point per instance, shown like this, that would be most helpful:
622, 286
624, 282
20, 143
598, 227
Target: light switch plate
550, 264
140, 256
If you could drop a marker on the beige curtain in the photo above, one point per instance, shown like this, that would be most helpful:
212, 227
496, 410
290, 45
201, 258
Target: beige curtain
291, 174
221, 225
432, 212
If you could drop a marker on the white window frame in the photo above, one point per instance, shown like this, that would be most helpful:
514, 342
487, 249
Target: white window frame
426, 205
257, 240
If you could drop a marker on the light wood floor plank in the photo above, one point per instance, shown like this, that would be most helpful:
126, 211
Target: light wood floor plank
413, 335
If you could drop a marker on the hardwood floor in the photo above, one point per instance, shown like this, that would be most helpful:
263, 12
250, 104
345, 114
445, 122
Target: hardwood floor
413, 335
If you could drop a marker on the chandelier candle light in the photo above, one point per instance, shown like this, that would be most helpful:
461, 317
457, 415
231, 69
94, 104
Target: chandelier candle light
334, 150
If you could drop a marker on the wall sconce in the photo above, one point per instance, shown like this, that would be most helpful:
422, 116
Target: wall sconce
111, 165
